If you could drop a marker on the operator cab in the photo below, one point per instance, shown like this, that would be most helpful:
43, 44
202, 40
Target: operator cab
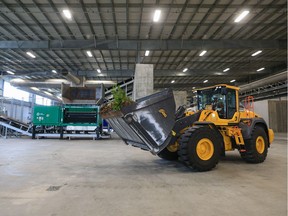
220, 98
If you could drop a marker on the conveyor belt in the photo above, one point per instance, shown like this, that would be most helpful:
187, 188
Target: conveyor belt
8, 124
14, 125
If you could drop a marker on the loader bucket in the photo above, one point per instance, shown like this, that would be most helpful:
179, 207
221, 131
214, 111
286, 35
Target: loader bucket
146, 124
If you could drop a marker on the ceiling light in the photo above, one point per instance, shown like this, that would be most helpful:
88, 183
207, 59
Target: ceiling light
147, 53
185, 69
108, 82
157, 14
35, 89
98, 70
67, 13
241, 16
205, 81
17, 80
256, 53
10, 72
202, 53
48, 93
30, 54
232, 81
227, 69
89, 53
260, 69
59, 81
54, 71
218, 73
172, 81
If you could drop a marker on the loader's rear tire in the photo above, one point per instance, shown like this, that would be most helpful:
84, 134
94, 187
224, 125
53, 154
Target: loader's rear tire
200, 148
168, 155
256, 147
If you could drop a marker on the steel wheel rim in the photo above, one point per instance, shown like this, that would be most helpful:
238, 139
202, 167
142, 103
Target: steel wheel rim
260, 144
173, 147
205, 149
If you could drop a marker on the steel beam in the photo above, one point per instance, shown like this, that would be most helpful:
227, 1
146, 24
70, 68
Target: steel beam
92, 6
101, 44
157, 73
185, 85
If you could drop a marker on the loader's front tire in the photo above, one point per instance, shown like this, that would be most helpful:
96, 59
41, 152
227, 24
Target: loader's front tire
168, 154
256, 147
200, 148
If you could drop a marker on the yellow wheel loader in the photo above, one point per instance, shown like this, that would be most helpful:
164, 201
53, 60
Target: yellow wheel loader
198, 138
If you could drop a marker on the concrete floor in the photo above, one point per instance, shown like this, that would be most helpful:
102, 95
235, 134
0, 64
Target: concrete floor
85, 177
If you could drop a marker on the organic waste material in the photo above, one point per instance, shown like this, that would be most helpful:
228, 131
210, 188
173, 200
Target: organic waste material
120, 100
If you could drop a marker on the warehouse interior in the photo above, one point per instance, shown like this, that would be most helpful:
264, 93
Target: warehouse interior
67, 56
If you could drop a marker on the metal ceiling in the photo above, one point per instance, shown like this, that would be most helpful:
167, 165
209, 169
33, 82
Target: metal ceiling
118, 32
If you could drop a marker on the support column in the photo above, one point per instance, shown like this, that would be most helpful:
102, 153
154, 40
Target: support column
180, 98
32, 100
143, 81
2, 108
1, 87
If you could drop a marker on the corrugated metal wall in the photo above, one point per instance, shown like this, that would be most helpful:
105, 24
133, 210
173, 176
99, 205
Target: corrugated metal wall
278, 115
16, 109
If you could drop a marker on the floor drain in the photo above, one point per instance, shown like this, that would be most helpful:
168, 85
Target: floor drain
53, 188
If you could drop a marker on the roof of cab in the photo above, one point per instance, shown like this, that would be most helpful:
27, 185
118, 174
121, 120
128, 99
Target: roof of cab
227, 86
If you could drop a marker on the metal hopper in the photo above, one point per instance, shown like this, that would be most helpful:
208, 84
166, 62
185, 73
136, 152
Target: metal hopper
146, 124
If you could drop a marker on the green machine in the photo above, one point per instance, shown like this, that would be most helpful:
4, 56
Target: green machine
47, 116
66, 120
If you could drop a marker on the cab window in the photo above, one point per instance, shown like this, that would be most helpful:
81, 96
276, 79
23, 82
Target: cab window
231, 103
220, 99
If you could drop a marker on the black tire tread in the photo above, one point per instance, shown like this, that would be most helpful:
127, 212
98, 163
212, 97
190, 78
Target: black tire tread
168, 155
251, 155
184, 142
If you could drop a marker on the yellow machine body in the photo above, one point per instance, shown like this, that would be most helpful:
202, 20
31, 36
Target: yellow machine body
229, 128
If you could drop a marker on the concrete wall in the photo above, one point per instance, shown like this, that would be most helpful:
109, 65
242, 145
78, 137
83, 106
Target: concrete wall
278, 115
143, 81
180, 98
261, 108
274, 112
